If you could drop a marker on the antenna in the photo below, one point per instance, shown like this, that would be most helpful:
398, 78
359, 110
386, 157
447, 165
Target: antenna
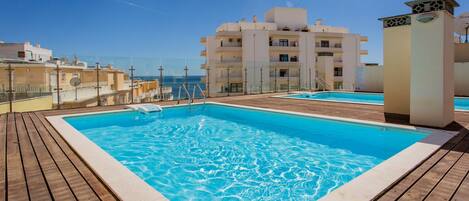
462, 26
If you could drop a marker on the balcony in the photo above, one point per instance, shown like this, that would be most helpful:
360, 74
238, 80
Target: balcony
363, 39
203, 53
329, 48
277, 46
229, 63
227, 47
278, 63
203, 40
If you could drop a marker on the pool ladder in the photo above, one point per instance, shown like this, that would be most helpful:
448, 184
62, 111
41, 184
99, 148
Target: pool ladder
189, 97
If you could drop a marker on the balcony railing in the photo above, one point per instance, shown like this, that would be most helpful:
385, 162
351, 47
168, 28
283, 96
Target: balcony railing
279, 44
231, 45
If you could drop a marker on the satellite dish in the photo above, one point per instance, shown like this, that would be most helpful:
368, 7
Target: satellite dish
461, 24
75, 81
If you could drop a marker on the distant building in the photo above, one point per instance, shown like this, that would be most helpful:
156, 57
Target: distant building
36, 82
25, 52
291, 53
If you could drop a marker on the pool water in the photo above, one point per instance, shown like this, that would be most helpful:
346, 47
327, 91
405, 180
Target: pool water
216, 152
460, 103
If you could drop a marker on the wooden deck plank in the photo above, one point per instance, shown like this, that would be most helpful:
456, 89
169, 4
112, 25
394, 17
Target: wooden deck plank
76, 182
402, 186
16, 182
428, 181
97, 185
450, 183
3, 135
58, 186
57, 156
462, 193
37, 186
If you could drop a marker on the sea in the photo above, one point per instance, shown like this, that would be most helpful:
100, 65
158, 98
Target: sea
176, 81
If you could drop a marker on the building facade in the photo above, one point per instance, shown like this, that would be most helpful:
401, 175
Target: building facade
25, 52
283, 53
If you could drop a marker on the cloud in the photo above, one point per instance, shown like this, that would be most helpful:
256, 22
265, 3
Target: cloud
289, 4
138, 6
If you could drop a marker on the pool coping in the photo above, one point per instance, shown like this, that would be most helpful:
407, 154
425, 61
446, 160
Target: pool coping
348, 102
128, 186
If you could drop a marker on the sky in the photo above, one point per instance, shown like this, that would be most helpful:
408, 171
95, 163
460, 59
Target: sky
149, 32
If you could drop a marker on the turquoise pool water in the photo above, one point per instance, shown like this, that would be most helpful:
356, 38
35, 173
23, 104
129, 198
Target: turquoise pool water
215, 152
368, 98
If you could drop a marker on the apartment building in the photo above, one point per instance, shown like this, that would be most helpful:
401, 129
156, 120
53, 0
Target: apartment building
283, 53
24, 51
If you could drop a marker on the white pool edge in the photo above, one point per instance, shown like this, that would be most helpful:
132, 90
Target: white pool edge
128, 186
348, 102
124, 183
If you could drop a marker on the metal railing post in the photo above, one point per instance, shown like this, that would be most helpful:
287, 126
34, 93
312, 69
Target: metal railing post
228, 79
262, 81
57, 87
132, 69
288, 80
245, 81
275, 74
208, 82
98, 97
185, 76
161, 82
299, 78
10, 87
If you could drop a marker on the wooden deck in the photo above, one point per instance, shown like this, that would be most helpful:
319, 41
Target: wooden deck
37, 164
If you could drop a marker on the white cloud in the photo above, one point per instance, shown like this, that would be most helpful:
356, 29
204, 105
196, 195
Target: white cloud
138, 6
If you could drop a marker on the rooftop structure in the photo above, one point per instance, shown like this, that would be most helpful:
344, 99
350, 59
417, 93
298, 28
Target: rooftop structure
25, 52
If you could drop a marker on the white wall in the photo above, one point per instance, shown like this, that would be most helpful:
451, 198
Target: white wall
351, 59
307, 60
370, 78
461, 76
255, 56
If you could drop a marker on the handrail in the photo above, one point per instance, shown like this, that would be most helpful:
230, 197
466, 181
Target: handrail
201, 92
183, 86
322, 82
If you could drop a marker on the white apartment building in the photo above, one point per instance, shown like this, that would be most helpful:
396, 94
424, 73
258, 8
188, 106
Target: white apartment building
24, 51
283, 53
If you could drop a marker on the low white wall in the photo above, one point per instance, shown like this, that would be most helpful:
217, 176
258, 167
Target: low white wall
370, 79
461, 77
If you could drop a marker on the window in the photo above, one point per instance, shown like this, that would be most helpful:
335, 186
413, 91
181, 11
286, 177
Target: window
239, 40
283, 58
283, 42
294, 59
21, 54
338, 85
230, 40
324, 43
283, 73
338, 72
236, 87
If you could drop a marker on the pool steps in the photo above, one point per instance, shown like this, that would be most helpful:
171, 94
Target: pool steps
146, 108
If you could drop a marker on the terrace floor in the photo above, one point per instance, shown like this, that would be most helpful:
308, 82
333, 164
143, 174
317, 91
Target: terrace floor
37, 164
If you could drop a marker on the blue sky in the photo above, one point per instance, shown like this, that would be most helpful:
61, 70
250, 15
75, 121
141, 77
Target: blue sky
155, 29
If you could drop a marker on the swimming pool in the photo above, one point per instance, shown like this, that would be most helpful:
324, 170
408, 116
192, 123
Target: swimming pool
217, 152
461, 104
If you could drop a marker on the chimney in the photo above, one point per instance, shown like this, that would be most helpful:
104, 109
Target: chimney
318, 22
254, 19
